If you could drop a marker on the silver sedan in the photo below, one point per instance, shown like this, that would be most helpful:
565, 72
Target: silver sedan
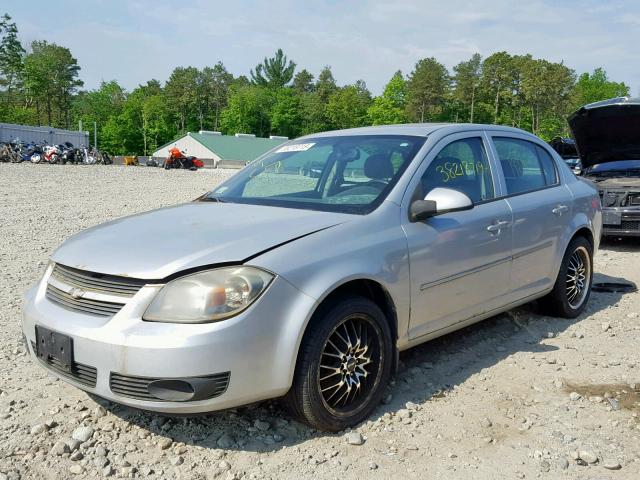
309, 270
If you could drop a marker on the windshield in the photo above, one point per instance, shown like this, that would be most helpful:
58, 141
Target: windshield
350, 174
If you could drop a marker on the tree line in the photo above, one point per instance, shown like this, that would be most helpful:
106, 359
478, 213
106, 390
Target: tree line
41, 85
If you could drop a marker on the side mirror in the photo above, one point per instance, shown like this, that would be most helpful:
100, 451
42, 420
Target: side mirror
437, 202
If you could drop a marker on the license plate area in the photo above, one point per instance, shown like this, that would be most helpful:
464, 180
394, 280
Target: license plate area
54, 348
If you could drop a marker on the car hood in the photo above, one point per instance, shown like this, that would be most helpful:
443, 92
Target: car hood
157, 244
607, 131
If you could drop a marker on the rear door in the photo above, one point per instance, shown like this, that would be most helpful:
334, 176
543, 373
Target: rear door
541, 207
460, 261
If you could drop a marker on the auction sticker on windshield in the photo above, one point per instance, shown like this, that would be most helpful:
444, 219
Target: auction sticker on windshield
298, 147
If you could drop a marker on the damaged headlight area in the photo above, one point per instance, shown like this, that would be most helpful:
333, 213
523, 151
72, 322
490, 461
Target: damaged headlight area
208, 296
619, 198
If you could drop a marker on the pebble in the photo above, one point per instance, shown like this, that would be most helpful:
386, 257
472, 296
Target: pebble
574, 396
262, 425
588, 456
354, 438
177, 461
605, 326
225, 441
99, 412
486, 423
108, 471
82, 434
73, 444
611, 464
76, 456
101, 451
60, 448
38, 429
562, 463
76, 469
165, 443
373, 466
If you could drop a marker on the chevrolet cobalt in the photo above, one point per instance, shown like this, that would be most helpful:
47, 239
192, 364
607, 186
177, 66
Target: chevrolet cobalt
305, 283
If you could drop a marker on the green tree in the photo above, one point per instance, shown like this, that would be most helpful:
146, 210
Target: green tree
347, 107
274, 72
248, 111
98, 106
182, 92
426, 89
303, 82
286, 114
498, 77
216, 81
466, 79
51, 78
390, 106
11, 55
595, 87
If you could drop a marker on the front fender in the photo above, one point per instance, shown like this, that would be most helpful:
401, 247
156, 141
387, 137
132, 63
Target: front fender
371, 249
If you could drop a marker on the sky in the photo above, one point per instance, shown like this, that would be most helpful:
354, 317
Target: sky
134, 41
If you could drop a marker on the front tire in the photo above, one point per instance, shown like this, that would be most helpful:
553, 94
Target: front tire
343, 366
572, 289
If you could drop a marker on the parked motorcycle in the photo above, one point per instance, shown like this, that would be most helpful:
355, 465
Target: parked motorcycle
51, 153
177, 159
8, 153
69, 154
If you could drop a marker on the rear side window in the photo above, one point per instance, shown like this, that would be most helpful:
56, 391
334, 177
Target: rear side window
525, 165
548, 166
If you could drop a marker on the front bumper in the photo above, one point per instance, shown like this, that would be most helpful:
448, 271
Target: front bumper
621, 221
257, 348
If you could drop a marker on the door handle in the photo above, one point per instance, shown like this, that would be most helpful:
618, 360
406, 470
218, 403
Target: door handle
560, 209
497, 226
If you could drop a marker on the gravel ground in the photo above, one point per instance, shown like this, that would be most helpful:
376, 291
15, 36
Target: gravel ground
516, 396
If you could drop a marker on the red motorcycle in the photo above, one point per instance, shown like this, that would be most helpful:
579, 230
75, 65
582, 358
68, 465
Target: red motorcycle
51, 153
177, 159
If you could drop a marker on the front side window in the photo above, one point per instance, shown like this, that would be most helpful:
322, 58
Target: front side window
351, 174
462, 165
525, 165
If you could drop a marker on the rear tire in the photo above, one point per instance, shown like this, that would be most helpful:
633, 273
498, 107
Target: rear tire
343, 365
572, 289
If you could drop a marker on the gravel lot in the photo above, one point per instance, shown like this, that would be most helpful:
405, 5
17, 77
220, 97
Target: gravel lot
517, 396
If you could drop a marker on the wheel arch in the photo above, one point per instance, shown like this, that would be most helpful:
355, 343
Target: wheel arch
362, 287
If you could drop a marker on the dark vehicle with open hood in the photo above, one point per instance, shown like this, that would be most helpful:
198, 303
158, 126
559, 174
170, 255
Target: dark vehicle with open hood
607, 136
566, 148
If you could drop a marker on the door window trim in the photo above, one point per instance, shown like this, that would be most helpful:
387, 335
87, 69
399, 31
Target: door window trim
412, 187
517, 136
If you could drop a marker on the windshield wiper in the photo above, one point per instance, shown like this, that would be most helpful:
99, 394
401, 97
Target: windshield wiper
212, 199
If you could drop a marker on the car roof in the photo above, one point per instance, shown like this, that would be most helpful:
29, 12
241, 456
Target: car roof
417, 129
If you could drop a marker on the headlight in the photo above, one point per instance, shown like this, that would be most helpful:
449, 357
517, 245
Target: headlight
208, 296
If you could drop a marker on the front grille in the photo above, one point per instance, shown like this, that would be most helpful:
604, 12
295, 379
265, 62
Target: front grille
81, 373
97, 282
77, 290
84, 305
629, 225
137, 387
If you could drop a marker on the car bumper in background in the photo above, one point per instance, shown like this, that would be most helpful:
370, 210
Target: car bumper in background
621, 221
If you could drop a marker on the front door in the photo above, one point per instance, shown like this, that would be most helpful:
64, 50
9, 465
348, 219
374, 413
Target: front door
460, 262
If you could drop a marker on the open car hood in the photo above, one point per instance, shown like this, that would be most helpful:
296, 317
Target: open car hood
607, 131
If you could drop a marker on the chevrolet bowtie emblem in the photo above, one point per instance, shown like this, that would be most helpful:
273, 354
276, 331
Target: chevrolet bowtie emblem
76, 293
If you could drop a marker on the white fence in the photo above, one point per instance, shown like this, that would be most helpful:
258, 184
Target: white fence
50, 135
